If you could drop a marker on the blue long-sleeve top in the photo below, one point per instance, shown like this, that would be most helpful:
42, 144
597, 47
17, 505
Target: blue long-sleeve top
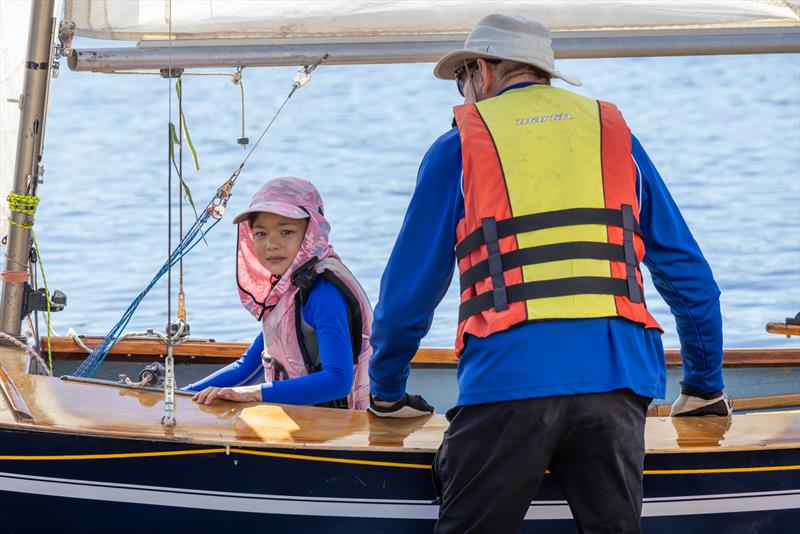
546, 358
325, 311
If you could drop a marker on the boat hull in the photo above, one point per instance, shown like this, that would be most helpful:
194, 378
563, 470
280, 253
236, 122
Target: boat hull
61, 482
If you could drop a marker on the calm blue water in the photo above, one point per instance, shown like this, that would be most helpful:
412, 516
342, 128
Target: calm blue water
724, 132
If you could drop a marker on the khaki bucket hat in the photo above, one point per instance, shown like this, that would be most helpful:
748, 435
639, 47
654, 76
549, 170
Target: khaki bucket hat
505, 37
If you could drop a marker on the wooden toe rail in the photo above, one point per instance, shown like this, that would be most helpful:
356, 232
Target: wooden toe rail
220, 352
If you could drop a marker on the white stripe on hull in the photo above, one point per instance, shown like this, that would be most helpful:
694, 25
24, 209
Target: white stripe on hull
365, 508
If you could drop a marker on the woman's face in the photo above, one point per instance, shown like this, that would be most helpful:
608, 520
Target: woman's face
276, 240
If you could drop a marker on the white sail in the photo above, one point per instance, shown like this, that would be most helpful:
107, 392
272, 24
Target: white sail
14, 20
206, 19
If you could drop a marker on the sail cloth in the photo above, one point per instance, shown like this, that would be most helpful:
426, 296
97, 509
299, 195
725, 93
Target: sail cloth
14, 22
137, 20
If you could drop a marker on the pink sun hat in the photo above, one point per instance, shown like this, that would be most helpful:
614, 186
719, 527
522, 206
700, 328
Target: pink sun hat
291, 197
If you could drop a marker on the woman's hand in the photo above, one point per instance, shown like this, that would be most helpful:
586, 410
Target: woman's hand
237, 394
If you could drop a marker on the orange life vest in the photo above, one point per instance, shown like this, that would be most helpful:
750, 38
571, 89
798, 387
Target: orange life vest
551, 217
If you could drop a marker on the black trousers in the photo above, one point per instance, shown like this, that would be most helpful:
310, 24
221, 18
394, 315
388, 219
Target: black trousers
493, 458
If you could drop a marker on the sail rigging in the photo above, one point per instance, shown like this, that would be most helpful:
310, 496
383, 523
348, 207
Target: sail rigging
213, 213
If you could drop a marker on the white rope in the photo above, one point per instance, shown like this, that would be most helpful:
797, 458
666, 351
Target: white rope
71, 333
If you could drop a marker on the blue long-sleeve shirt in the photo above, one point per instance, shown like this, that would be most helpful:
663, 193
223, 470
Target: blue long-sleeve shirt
325, 311
544, 358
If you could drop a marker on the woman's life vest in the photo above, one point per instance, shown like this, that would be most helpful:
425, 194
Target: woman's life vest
290, 348
551, 216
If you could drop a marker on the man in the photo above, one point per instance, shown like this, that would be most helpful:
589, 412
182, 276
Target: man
549, 204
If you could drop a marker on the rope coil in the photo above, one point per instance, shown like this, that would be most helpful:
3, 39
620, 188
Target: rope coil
25, 204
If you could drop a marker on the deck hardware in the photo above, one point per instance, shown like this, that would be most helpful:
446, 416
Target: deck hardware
35, 300
177, 332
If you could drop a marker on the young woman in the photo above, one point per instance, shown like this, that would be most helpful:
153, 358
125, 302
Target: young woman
316, 318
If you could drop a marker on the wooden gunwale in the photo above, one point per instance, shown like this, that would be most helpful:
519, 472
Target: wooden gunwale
211, 351
99, 410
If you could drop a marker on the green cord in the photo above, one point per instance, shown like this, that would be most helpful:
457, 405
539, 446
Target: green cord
22, 204
27, 204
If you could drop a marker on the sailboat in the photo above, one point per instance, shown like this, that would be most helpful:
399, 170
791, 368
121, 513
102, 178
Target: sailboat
97, 456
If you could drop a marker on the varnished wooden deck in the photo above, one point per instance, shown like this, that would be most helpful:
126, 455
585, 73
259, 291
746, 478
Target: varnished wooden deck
70, 407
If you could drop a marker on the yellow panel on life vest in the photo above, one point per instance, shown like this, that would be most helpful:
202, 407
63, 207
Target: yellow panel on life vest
551, 216
549, 148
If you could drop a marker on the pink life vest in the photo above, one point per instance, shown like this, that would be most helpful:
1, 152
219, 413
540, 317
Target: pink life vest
289, 343
290, 348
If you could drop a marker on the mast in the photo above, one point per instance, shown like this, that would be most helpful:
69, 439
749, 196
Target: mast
28, 169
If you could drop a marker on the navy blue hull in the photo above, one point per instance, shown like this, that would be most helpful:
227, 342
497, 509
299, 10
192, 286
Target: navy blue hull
319, 493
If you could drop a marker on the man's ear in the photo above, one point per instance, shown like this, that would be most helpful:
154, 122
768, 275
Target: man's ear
487, 78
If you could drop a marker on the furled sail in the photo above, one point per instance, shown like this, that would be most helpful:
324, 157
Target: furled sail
220, 33
14, 19
216, 19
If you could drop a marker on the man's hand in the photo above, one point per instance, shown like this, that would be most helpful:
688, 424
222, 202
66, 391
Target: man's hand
237, 394
692, 401
409, 406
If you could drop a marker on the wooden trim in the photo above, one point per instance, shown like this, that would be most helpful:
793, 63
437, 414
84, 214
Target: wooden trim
211, 351
784, 329
743, 404
14, 397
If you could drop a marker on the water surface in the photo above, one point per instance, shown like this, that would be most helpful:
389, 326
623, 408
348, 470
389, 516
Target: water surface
723, 131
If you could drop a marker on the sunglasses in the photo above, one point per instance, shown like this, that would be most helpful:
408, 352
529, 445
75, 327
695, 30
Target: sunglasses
469, 69
461, 75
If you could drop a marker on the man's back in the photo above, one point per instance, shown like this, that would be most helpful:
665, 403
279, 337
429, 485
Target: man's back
548, 357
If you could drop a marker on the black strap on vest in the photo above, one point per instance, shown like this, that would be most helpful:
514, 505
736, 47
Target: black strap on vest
304, 278
543, 254
635, 293
496, 263
562, 287
541, 221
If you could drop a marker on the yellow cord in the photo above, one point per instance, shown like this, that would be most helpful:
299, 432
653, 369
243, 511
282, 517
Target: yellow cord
352, 461
47, 295
27, 205
116, 456
722, 470
329, 459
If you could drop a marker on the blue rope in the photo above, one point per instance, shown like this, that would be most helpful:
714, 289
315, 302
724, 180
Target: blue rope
193, 236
